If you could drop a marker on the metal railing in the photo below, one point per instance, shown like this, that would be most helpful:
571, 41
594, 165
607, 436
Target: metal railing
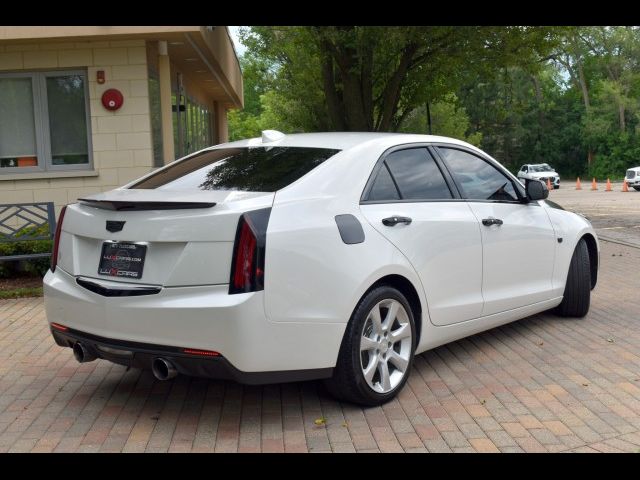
21, 222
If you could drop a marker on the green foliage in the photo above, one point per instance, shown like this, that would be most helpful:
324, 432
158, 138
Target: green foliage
359, 78
612, 157
37, 266
567, 96
448, 119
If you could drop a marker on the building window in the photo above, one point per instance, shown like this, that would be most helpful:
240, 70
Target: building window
44, 122
192, 122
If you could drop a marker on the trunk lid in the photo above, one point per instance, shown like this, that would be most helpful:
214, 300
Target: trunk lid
188, 235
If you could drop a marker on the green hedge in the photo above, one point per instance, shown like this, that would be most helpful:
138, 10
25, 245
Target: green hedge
37, 266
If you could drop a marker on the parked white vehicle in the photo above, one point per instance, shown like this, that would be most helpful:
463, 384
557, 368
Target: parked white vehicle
539, 171
328, 255
633, 177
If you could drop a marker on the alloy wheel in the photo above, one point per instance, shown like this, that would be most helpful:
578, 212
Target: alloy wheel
385, 346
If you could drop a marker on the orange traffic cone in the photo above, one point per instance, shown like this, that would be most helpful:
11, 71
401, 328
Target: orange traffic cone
578, 184
608, 189
594, 185
625, 187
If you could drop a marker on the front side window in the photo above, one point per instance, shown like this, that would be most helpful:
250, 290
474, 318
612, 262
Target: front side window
254, 169
478, 179
43, 121
410, 174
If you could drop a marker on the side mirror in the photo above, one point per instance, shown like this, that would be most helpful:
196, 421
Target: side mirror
536, 190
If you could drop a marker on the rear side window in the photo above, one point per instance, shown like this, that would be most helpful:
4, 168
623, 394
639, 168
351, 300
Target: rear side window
384, 188
410, 174
255, 169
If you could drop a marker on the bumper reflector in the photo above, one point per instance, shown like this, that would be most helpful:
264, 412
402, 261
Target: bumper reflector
206, 353
57, 326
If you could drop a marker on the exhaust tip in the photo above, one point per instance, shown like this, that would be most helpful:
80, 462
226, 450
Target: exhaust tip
163, 369
82, 354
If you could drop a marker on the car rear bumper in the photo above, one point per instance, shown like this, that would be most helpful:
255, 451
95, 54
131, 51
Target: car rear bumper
199, 317
141, 355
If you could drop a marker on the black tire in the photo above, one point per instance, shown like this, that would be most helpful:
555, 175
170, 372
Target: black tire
636, 189
577, 291
348, 382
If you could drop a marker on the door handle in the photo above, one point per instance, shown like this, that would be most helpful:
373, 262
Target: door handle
487, 222
392, 221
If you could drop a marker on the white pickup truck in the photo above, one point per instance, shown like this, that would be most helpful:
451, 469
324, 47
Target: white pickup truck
539, 171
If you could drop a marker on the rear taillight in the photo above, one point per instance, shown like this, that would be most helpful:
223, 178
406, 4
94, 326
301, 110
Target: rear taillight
247, 266
56, 240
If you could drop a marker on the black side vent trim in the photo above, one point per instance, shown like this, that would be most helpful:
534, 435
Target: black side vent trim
350, 229
131, 206
117, 292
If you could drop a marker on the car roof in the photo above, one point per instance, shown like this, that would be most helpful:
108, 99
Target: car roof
342, 140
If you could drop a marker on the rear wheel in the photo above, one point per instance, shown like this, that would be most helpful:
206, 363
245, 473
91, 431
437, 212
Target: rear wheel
376, 354
577, 291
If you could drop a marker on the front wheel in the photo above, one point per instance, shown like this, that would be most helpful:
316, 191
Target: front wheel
376, 353
577, 291
636, 189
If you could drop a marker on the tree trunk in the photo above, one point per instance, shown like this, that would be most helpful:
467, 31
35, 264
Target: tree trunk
621, 117
353, 107
391, 95
583, 86
355, 115
366, 83
587, 103
334, 104
539, 101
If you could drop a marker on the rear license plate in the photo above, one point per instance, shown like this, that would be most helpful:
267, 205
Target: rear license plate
121, 259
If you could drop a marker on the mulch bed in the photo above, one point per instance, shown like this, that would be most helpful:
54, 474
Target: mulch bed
20, 282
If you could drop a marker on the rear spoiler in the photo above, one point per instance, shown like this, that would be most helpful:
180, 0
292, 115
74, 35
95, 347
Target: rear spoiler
130, 206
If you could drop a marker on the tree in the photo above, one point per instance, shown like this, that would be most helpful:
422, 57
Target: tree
568, 96
448, 118
371, 78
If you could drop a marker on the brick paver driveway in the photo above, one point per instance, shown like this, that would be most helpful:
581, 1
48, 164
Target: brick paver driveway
541, 384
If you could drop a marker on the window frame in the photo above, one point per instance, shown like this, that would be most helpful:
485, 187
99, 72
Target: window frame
517, 186
380, 163
41, 121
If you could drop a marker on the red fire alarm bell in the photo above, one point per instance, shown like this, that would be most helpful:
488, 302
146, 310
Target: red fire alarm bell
112, 99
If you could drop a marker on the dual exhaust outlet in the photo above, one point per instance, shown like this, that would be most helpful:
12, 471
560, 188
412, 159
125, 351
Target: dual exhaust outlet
162, 368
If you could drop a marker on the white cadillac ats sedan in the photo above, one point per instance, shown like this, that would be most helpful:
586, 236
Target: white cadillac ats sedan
334, 256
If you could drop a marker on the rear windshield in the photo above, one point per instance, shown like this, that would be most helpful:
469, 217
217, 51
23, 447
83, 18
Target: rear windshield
256, 169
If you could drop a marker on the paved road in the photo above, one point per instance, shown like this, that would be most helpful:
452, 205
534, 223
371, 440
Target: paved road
615, 215
543, 384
